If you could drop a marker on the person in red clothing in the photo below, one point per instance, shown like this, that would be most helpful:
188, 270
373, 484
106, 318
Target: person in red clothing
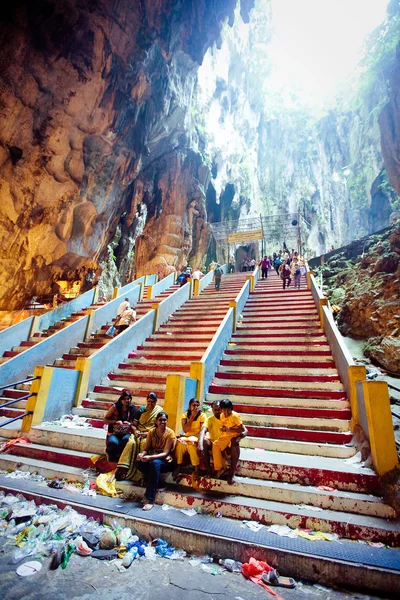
265, 265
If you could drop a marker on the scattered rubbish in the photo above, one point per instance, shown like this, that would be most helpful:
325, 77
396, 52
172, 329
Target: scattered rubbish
231, 565
10, 443
353, 460
169, 333
315, 536
105, 554
130, 557
254, 570
190, 512
108, 541
326, 488
29, 568
309, 507
81, 547
166, 551
283, 531
55, 484
209, 569
106, 487
376, 544
273, 578
19, 475
253, 525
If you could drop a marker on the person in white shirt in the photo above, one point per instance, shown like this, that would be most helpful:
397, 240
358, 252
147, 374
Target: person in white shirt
127, 319
197, 274
123, 306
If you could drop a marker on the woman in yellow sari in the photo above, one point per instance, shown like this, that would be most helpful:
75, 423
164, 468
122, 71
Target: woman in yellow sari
144, 420
192, 422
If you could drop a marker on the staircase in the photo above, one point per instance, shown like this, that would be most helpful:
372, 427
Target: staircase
68, 361
298, 466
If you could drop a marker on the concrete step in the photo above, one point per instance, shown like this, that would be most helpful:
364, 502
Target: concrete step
155, 371
377, 568
152, 384
367, 528
299, 447
135, 392
78, 438
333, 500
283, 401
253, 380
294, 370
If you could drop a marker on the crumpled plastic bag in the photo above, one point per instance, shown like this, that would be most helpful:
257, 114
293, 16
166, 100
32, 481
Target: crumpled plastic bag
254, 570
106, 487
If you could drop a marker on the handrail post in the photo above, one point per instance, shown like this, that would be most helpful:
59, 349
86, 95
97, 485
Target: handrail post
155, 307
251, 279
35, 326
40, 388
174, 400
84, 365
196, 287
355, 373
96, 294
308, 274
233, 304
380, 426
115, 293
322, 302
149, 295
141, 291
198, 371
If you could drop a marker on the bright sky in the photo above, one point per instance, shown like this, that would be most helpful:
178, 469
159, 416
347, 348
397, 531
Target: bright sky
317, 43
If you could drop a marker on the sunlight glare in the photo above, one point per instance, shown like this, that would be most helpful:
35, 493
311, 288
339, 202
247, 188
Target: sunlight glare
317, 44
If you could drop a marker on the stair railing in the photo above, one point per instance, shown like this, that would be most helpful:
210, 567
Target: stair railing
15, 400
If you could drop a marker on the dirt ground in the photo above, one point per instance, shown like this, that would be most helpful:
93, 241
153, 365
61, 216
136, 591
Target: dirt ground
160, 579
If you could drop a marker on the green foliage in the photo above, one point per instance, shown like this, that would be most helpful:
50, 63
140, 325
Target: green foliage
356, 189
379, 56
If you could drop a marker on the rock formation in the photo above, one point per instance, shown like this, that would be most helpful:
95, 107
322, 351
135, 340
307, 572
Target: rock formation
367, 288
92, 95
139, 123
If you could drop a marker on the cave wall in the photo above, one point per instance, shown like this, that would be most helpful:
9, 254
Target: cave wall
91, 95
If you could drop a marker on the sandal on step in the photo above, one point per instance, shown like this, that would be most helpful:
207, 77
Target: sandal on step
273, 578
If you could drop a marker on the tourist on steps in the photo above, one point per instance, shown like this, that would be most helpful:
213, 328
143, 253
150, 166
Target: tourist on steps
231, 427
211, 432
192, 422
156, 457
123, 306
217, 277
119, 419
285, 273
265, 265
296, 272
144, 420
277, 263
125, 320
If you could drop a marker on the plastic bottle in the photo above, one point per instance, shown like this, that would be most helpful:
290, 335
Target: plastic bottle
231, 565
129, 557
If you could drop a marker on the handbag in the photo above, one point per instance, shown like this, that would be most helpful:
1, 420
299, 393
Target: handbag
110, 331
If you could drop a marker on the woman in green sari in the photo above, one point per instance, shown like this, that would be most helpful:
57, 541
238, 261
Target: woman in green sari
144, 420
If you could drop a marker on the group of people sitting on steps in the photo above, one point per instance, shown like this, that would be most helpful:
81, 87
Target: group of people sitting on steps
143, 446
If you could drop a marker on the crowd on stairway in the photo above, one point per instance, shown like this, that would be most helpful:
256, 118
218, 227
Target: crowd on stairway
143, 447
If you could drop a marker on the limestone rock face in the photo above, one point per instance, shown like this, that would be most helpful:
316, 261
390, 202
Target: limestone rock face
389, 122
368, 290
91, 95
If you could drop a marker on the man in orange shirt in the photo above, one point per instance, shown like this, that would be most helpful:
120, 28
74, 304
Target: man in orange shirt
231, 427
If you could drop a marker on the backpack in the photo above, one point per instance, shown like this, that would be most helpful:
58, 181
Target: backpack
286, 271
217, 272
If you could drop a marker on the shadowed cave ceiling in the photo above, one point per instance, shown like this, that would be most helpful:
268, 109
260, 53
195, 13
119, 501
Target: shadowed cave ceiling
103, 133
